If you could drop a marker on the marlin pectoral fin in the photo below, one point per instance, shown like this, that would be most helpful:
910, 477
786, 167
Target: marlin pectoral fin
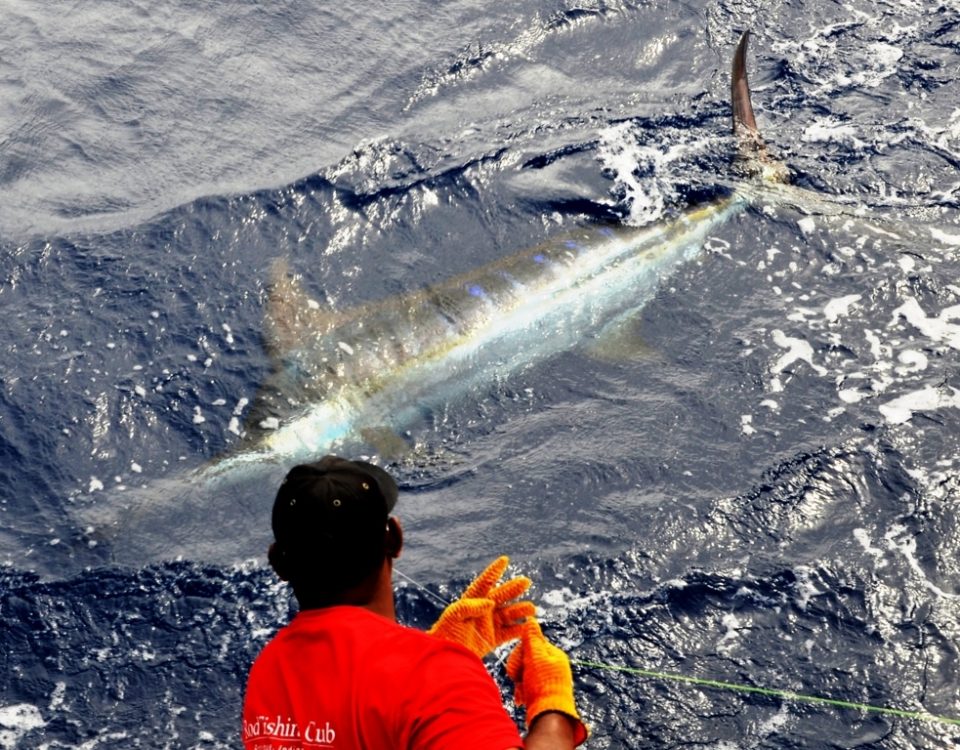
622, 340
385, 442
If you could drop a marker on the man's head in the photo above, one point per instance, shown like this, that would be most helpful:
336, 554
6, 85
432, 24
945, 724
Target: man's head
330, 522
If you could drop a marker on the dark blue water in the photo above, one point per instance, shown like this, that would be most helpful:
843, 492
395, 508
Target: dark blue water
753, 480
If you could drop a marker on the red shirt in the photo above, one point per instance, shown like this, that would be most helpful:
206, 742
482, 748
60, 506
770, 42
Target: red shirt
344, 678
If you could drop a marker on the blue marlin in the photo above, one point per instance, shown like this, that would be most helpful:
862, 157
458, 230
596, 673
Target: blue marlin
360, 373
343, 374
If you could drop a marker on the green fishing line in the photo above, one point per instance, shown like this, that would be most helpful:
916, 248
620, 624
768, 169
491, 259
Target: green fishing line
784, 694
721, 685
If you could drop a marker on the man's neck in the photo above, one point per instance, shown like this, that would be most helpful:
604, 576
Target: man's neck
381, 601
374, 594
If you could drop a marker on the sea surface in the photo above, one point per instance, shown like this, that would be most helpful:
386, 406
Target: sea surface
752, 480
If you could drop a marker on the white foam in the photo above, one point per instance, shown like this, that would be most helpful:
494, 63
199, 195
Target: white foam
840, 307
831, 269
830, 131
430, 198
16, 721
621, 154
938, 328
56, 697
801, 314
876, 346
745, 425
775, 723
863, 537
911, 361
717, 246
797, 349
931, 398
557, 597
805, 588
643, 171
884, 58
947, 239
728, 640
834, 413
851, 395
907, 546
807, 225
95, 485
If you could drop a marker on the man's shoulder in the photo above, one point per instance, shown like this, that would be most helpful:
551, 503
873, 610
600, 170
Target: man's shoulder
368, 630
402, 650
418, 644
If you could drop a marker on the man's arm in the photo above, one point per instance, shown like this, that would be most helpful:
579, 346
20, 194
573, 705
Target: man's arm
551, 730
543, 682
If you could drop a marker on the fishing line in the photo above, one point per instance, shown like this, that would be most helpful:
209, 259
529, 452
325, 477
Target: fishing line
783, 694
502, 651
734, 686
420, 586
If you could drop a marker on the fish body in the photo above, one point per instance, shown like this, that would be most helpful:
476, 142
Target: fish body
341, 377
386, 364
378, 366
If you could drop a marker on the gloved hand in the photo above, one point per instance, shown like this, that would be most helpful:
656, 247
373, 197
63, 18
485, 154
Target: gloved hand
542, 678
487, 614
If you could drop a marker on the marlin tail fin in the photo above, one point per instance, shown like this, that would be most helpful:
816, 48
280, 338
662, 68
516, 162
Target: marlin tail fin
744, 123
749, 143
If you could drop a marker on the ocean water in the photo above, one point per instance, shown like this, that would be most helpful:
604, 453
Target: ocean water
751, 479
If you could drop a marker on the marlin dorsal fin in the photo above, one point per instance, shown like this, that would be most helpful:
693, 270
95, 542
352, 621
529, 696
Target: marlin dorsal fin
292, 316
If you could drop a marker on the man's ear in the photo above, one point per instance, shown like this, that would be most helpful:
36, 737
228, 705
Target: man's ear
278, 561
394, 539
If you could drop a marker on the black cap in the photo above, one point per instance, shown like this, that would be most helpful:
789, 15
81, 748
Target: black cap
329, 520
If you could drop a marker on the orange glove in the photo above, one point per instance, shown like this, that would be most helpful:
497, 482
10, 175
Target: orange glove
487, 614
542, 678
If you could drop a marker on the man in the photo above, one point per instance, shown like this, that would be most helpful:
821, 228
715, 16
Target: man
345, 675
